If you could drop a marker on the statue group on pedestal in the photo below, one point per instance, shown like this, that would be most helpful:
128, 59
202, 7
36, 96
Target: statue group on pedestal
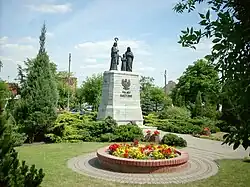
126, 59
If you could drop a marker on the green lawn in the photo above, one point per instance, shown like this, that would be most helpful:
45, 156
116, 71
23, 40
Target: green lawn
53, 159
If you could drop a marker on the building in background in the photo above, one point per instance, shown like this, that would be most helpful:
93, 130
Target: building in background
71, 81
169, 87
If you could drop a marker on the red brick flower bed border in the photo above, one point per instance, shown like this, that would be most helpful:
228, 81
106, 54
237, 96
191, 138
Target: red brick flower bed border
126, 165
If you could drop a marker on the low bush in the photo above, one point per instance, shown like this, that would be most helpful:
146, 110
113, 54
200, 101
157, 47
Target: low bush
175, 113
151, 119
75, 127
184, 124
127, 133
173, 140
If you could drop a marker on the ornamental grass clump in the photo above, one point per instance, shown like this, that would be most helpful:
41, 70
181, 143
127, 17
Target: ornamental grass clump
142, 152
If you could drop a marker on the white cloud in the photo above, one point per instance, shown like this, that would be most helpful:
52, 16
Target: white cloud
94, 66
49, 34
51, 8
16, 46
101, 49
3, 39
90, 60
94, 53
27, 39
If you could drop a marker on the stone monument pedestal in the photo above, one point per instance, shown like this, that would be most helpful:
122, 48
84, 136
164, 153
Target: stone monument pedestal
121, 97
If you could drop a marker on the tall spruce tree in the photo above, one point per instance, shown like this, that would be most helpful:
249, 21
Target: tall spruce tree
39, 94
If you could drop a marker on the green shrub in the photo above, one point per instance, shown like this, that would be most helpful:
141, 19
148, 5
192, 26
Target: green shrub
206, 122
11, 172
173, 140
151, 119
127, 133
175, 113
108, 137
75, 127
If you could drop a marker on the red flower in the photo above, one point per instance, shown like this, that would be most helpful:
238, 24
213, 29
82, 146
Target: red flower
148, 131
136, 142
125, 155
113, 147
206, 129
167, 151
156, 132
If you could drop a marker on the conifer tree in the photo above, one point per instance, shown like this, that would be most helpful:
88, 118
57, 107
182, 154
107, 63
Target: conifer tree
12, 174
39, 94
198, 110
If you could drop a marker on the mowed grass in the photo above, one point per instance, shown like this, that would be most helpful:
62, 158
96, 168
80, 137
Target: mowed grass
53, 159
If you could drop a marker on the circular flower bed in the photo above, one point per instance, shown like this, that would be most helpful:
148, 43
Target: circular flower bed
139, 158
142, 152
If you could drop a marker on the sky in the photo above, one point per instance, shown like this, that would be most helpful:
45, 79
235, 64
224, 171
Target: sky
87, 28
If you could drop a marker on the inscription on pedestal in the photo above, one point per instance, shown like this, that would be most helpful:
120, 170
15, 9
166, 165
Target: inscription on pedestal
126, 94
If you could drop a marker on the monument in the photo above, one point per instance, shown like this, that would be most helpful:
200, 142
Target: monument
121, 90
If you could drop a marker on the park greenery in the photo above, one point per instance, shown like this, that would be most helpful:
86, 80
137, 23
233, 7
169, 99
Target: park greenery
211, 95
229, 31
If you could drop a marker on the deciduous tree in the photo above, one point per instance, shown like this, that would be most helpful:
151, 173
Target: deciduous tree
229, 30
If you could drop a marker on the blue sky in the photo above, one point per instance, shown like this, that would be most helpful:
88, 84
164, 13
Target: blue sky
86, 28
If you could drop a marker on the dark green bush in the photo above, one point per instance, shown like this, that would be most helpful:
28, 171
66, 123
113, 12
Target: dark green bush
108, 137
12, 174
127, 133
173, 140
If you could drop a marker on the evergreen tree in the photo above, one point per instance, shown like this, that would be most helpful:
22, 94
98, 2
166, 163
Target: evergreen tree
39, 94
11, 173
198, 110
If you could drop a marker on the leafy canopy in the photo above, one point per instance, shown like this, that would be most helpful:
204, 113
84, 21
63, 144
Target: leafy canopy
230, 34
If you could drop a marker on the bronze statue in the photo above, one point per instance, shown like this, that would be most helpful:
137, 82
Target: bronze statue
129, 59
124, 60
114, 56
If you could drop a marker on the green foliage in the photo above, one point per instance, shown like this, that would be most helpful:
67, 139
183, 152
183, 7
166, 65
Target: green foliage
127, 133
63, 90
198, 108
231, 54
179, 126
4, 93
38, 95
75, 127
173, 140
69, 127
153, 98
92, 90
108, 137
180, 122
175, 113
97, 128
12, 174
202, 77
150, 118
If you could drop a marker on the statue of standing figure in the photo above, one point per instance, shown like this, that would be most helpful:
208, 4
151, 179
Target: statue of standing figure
114, 56
127, 58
